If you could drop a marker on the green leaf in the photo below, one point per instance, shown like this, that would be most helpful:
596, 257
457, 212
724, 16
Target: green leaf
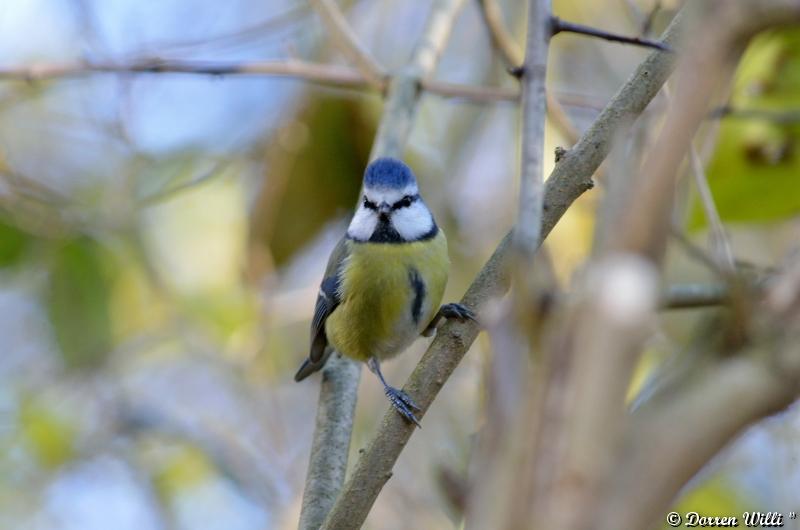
78, 303
754, 173
315, 174
13, 244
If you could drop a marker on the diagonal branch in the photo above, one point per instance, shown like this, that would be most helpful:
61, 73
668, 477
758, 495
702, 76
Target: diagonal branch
571, 177
349, 44
720, 243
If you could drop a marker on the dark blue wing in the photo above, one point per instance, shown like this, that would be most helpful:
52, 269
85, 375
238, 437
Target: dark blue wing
327, 301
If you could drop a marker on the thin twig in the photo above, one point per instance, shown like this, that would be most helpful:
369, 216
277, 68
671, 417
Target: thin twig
511, 53
527, 234
503, 41
560, 26
570, 179
720, 244
785, 117
647, 24
478, 94
349, 44
690, 296
323, 74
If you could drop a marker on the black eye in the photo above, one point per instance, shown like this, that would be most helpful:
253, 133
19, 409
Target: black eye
369, 204
405, 202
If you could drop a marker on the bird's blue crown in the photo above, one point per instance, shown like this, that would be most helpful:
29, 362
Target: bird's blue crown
388, 173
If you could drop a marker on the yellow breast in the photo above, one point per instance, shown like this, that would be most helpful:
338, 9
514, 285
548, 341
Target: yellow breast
377, 315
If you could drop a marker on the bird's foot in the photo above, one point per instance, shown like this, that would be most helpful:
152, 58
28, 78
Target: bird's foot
457, 311
403, 403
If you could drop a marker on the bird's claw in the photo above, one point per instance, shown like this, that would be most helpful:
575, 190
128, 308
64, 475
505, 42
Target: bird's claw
403, 403
458, 311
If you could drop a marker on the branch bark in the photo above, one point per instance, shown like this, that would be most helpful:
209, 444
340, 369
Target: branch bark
322, 74
349, 44
571, 177
527, 235
331, 444
570, 27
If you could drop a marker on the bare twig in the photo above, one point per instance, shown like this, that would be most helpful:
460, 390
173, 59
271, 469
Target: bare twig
689, 296
502, 39
349, 44
477, 94
560, 26
527, 234
786, 117
323, 74
512, 56
570, 179
720, 243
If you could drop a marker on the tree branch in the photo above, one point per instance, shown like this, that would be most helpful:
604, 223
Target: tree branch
562, 26
529, 217
349, 44
331, 444
571, 177
512, 56
323, 74
690, 295
720, 244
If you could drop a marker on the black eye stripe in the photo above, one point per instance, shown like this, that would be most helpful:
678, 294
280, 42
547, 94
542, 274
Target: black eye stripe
405, 202
369, 204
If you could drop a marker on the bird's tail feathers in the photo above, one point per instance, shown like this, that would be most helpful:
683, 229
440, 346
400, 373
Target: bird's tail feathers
309, 367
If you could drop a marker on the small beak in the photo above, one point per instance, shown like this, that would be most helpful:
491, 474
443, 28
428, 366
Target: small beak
384, 208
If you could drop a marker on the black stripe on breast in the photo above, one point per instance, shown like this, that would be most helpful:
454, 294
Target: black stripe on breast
385, 233
418, 286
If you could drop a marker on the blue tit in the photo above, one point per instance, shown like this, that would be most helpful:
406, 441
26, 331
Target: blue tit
384, 280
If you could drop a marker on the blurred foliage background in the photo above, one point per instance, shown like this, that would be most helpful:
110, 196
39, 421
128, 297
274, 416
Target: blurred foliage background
162, 237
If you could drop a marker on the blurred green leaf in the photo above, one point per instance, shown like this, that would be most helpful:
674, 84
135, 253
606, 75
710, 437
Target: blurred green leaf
78, 303
13, 244
755, 170
320, 159
49, 437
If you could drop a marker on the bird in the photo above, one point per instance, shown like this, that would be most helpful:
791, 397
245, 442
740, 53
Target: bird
384, 280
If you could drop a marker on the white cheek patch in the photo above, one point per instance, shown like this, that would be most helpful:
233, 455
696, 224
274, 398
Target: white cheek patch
413, 222
363, 224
